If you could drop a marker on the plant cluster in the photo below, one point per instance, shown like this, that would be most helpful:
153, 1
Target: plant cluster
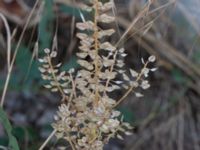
87, 117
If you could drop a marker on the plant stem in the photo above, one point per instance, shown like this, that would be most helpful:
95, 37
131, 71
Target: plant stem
96, 46
47, 140
54, 77
131, 88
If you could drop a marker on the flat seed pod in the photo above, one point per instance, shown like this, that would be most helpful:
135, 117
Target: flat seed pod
88, 25
106, 6
53, 54
85, 64
104, 33
47, 51
152, 59
137, 94
54, 89
126, 77
107, 46
82, 55
106, 18
133, 73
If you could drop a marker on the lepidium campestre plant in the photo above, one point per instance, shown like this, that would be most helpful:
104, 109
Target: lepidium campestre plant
87, 117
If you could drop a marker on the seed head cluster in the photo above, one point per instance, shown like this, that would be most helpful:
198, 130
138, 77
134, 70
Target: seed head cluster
87, 117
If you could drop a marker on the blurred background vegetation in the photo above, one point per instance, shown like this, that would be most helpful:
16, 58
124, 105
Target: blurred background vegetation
166, 118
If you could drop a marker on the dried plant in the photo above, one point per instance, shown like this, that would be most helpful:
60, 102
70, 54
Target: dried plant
87, 117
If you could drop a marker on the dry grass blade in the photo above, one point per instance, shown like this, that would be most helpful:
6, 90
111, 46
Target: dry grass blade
47, 140
163, 6
138, 17
8, 38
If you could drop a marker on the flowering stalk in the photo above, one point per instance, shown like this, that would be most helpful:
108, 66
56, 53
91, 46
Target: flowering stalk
87, 118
